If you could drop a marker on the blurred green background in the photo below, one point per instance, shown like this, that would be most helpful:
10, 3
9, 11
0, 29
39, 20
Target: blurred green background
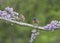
44, 10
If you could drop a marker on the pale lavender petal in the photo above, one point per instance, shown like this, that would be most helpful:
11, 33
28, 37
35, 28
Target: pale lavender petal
8, 16
3, 13
9, 9
50, 27
53, 23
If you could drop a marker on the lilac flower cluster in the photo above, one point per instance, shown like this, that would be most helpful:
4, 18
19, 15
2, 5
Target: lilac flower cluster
9, 14
53, 25
33, 35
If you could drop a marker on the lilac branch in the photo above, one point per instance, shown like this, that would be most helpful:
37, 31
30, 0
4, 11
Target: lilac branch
11, 16
22, 23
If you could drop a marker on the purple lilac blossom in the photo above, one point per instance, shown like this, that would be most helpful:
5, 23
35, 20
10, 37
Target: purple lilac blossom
53, 25
8, 16
3, 13
8, 13
53, 22
9, 9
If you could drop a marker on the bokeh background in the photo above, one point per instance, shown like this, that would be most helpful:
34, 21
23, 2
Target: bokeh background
44, 10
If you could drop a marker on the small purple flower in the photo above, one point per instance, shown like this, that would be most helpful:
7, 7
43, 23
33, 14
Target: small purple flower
8, 16
53, 28
9, 9
50, 27
54, 22
53, 25
3, 13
